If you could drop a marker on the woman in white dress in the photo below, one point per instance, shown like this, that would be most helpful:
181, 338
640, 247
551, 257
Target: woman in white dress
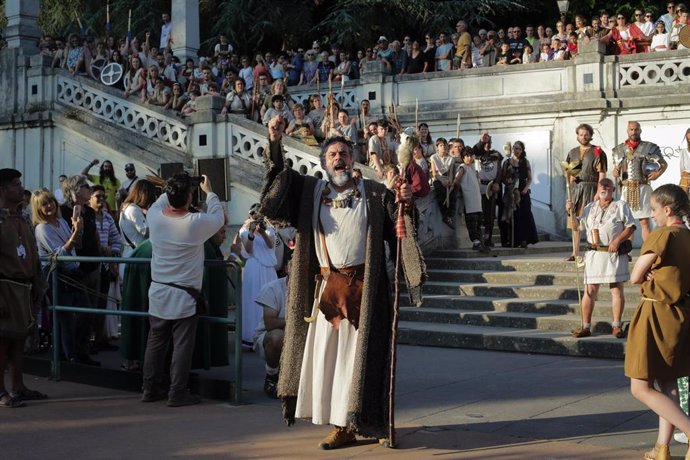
258, 242
609, 225
133, 225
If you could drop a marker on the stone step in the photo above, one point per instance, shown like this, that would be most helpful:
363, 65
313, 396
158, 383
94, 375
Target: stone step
496, 236
566, 279
509, 339
502, 319
546, 247
515, 305
524, 290
496, 262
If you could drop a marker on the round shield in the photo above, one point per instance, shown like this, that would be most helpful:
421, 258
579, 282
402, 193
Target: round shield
97, 66
111, 74
684, 36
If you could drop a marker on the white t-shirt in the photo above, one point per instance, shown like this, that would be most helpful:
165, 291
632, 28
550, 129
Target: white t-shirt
166, 30
272, 296
178, 255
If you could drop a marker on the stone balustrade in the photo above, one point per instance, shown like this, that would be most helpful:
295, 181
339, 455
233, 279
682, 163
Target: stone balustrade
135, 117
248, 141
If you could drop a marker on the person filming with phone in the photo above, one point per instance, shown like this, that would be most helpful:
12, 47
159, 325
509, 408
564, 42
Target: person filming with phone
258, 245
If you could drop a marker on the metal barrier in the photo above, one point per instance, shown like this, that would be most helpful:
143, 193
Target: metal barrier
55, 359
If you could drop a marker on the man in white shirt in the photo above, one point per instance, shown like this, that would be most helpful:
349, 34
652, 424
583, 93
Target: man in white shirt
177, 270
166, 31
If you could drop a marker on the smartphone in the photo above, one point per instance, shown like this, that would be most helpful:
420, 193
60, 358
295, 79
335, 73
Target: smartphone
77, 211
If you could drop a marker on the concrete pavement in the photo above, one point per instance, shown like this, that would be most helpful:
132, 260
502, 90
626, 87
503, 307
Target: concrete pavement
451, 404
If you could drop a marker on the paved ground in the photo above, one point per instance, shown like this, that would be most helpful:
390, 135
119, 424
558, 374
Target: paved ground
451, 404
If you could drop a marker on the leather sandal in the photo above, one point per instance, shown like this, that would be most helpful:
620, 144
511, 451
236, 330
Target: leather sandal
660, 452
27, 395
10, 402
581, 332
570, 259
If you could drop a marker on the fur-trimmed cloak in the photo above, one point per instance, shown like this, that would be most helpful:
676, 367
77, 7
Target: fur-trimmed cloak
289, 196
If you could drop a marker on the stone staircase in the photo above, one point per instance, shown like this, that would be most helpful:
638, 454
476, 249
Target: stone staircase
510, 300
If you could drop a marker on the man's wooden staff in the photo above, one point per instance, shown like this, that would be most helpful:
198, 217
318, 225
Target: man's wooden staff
572, 169
404, 158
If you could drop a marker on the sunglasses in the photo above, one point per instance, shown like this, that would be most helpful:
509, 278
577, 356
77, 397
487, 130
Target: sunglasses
620, 17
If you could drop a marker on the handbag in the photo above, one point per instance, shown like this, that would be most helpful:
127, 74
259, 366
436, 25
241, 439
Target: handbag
18, 318
341, 298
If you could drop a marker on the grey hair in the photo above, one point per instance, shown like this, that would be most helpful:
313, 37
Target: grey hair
330, 141
70, 187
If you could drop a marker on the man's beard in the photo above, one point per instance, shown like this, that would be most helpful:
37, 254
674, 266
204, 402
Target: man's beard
341, 178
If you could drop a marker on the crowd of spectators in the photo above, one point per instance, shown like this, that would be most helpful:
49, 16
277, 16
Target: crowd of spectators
153, 75
100, 215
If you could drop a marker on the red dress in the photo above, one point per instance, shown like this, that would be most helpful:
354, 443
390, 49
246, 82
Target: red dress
629, 46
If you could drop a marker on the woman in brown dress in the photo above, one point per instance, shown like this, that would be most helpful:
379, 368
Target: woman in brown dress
659, 334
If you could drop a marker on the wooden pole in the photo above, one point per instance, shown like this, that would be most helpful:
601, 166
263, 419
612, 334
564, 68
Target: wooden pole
416, 113
457, 127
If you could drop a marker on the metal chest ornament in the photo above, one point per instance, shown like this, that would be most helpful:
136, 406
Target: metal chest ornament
636, 170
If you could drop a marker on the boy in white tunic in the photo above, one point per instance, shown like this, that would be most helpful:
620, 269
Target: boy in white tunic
467, 179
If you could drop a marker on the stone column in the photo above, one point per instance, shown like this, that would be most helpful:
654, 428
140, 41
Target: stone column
185, 28
22, 27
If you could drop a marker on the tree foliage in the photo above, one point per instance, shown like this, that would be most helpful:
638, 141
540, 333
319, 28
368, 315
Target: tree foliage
273, 24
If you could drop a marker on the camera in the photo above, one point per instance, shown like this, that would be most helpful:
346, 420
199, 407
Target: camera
196, 180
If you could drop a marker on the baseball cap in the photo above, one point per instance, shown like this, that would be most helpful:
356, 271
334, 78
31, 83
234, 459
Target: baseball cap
129, 166
383, 38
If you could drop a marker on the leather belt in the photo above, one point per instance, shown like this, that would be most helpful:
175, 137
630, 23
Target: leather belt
351, 272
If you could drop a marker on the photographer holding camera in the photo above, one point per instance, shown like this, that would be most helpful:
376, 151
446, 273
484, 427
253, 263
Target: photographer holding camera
177, 270
258, 243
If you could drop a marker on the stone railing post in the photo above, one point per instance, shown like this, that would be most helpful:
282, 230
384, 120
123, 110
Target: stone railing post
22, 25
590, 77
376, 86
203, 141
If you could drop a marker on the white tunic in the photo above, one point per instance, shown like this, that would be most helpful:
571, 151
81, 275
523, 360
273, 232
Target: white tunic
329, 353
471, 196
258, 271
685, 160
604, 267
178, 255
645, 211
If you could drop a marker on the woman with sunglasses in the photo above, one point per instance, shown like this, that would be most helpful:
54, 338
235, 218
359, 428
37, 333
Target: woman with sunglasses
625, 38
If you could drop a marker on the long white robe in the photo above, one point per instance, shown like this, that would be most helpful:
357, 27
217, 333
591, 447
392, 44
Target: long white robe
329, 353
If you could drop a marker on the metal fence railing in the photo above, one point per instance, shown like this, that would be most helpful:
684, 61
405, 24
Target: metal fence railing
237, 322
